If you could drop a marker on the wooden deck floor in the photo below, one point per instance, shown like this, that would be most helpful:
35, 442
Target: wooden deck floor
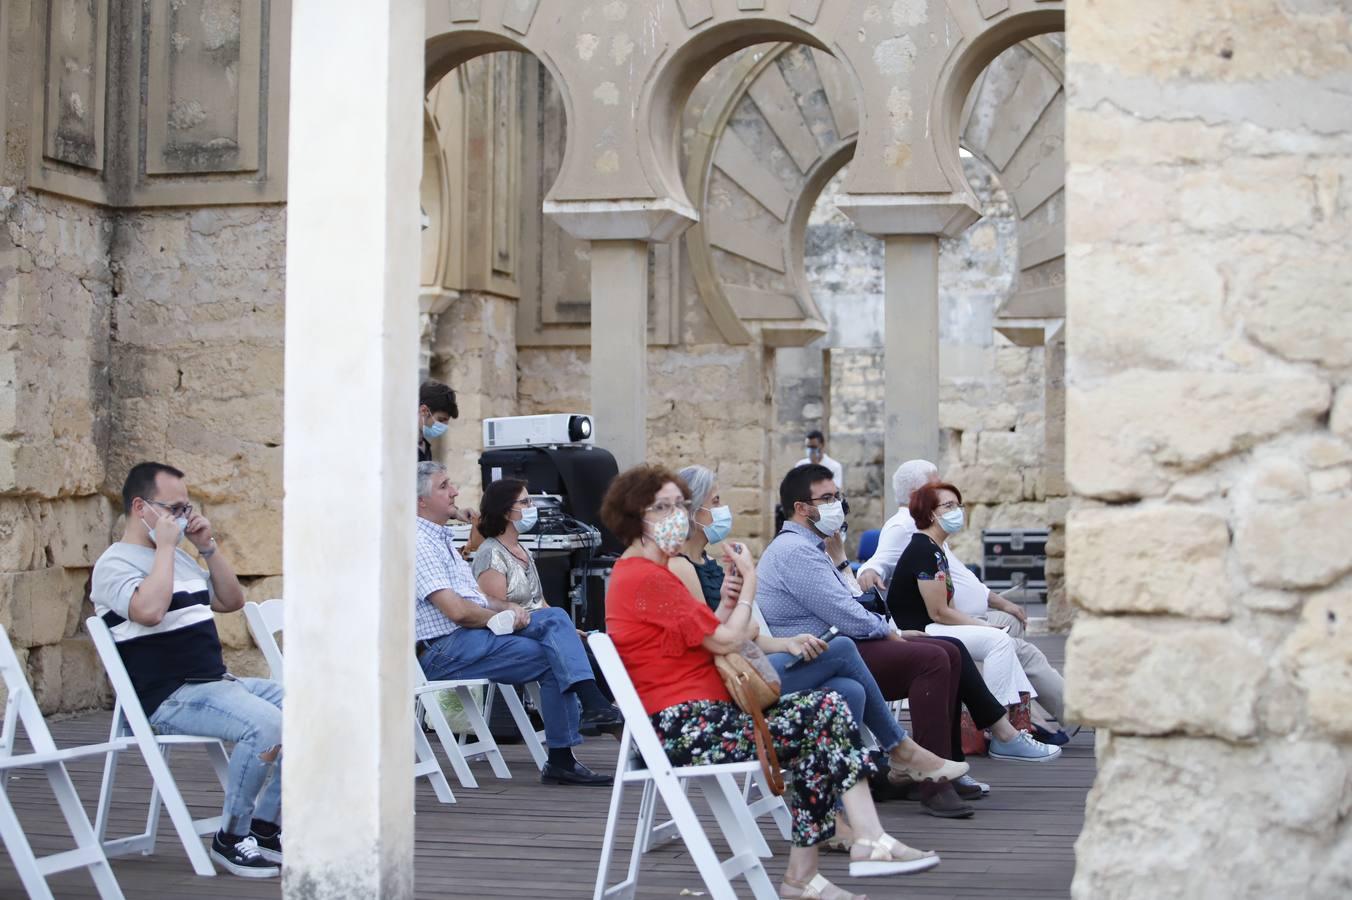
520, 838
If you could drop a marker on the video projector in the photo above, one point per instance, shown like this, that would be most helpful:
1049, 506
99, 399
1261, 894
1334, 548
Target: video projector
537, 431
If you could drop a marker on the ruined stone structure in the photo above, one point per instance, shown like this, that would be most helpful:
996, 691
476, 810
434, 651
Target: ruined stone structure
653, 166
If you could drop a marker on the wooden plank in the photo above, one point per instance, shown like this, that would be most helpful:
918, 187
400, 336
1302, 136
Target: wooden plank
737, 161
775, 100
1023, 833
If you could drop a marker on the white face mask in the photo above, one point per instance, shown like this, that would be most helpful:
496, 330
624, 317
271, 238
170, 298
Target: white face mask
952, 521
181, 522
832, 517
529, 516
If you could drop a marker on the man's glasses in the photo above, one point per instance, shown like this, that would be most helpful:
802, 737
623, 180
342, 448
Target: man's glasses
177, 510
827, 498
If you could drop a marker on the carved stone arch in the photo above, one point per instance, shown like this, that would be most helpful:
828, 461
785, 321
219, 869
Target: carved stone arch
747, 255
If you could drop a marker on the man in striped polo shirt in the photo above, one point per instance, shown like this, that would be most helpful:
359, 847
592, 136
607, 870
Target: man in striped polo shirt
158, 603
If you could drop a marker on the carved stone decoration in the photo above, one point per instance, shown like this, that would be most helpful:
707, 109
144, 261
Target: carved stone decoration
784, 121
70, 97
202, 87
191, 111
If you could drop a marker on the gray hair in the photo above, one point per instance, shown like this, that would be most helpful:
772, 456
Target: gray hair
701, 482
426, 470
910, 476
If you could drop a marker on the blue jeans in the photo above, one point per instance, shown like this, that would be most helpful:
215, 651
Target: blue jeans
248, 713
547, 650
841, 669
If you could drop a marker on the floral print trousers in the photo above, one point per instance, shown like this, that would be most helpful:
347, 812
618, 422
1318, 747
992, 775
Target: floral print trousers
815, 736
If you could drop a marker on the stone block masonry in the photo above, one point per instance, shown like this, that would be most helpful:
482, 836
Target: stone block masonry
1208, 447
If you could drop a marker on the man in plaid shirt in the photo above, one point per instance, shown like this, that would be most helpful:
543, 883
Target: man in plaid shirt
450, 619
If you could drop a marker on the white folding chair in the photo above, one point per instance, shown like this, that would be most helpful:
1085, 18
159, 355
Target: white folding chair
265, 621
22, 709
131, 729
642, 760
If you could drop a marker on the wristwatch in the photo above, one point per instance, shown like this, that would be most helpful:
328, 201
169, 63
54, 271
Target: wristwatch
210, 551
843, 565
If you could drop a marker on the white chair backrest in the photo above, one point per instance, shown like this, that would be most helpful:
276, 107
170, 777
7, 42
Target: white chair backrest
627, 699
127, 702
760, 620
21, 707
265, 620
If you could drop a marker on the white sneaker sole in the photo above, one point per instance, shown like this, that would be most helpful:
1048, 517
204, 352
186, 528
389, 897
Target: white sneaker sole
245, 871
1030, 759
872, 868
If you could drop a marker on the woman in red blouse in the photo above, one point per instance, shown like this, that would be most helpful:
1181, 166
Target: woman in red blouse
667, 640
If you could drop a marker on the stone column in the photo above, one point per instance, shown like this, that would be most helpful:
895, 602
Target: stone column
620, 231
911, 225
352, 253
619, 348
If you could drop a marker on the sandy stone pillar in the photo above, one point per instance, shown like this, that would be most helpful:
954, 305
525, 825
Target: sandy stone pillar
620, 232
911, 226
352, 257
619, 348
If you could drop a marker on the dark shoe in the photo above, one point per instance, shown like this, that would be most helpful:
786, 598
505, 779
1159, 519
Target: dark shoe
969, 788
1058, 737
578, 774
270, 845
242, 857
942, 800
606, 720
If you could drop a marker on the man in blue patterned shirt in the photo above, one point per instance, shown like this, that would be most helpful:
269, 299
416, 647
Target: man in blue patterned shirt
800, 589
450, 626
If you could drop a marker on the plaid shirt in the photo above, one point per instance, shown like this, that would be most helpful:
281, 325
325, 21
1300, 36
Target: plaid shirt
799, 590
438, 566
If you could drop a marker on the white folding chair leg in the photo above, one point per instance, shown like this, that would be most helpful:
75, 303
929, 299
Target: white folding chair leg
431, 708
768, 803
425, 763
533, 739
20, 851
485, 745
626, 887
88, 852
656, 835
732, 799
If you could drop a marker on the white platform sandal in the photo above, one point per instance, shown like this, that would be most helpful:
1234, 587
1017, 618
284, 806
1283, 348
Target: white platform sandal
889, 856
816, 889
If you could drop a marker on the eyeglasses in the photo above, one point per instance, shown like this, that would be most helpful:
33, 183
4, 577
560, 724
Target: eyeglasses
664, 508
949, 506
178, 509
523, 503
827, 498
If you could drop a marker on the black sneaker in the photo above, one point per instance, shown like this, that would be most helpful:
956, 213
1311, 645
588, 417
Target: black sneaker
270, 847
242, 858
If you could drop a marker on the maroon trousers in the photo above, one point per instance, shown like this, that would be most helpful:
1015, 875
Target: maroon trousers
925, 671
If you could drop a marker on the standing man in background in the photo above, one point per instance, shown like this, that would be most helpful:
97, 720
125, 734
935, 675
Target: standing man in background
815, 446
436, 408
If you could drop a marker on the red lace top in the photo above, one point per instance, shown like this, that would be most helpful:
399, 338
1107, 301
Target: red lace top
658, 628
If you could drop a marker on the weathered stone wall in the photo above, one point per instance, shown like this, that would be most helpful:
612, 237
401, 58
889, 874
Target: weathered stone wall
990, 396
56, 297
1209, 446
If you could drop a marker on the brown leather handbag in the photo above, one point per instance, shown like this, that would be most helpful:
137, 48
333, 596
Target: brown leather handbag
754, 686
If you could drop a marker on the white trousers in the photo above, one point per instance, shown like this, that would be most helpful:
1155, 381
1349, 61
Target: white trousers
999, 658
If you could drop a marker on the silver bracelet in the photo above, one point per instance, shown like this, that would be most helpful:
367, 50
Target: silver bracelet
210, 551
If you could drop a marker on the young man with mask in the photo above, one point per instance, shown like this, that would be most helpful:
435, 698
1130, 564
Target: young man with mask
801, 590
452, 638
158, 603
814, 445
436, 408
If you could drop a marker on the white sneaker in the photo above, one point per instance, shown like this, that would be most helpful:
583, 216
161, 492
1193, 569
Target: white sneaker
1023, 749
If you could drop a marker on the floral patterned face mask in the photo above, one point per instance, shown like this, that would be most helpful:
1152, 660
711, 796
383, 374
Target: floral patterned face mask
669, 534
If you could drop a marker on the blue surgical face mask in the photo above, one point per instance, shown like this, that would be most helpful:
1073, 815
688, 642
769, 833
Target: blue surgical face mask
529, 516
434, 430
952, 521
721, 526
